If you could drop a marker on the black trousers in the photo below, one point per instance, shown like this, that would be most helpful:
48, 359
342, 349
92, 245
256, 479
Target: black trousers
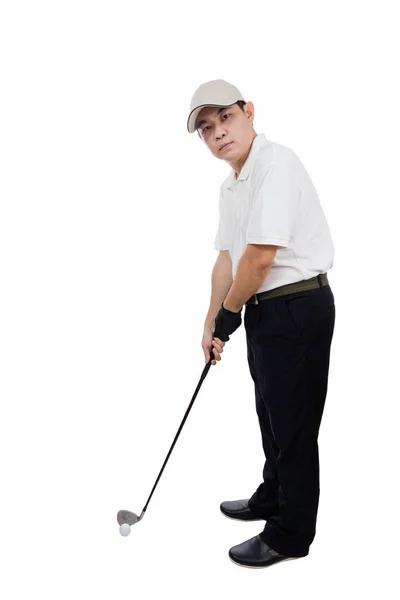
288, 349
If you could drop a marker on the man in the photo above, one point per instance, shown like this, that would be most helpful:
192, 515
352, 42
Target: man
275, 249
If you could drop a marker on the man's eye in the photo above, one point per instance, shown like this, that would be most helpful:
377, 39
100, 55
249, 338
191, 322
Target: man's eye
206, 127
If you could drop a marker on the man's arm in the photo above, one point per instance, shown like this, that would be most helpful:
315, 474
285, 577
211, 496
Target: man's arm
221, 282
253, 268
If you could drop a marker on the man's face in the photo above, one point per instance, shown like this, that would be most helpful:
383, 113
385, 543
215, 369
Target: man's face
217, 126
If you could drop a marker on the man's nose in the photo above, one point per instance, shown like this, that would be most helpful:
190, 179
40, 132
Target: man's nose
219, 131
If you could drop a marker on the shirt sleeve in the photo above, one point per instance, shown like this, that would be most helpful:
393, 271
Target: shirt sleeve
222, 238
273, 206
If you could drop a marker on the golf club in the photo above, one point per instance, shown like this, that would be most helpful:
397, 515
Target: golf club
126, 518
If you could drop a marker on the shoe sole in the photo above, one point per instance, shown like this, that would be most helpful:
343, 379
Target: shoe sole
244, 520
264, 566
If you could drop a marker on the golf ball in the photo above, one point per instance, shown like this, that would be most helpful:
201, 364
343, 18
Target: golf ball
125, 529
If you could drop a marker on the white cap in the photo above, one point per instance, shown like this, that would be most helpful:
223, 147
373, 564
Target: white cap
212, 93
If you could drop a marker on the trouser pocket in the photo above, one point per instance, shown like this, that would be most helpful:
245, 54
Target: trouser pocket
298, 311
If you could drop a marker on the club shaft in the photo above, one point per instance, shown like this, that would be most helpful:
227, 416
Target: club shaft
203, 376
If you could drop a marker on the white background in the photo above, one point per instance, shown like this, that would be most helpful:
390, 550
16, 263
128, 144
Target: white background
109, 210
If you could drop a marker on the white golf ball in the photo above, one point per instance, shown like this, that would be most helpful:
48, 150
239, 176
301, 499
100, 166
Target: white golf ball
125, 529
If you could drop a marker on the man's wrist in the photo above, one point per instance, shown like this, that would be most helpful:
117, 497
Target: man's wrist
233, 309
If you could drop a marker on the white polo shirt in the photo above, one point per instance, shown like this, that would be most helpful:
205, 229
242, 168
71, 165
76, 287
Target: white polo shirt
273, 201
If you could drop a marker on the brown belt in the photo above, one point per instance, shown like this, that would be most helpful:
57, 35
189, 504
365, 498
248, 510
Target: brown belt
299, 286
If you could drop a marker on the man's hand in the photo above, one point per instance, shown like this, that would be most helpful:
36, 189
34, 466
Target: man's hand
209, 343
226, 322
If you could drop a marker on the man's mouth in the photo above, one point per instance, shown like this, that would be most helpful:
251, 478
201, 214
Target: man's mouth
225, 146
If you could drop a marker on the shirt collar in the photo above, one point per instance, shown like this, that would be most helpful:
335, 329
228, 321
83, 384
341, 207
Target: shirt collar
259, 141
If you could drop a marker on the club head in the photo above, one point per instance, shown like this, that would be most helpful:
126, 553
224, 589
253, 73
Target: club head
126, 516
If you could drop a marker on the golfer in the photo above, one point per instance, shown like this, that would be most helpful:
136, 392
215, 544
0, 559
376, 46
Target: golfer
275, 249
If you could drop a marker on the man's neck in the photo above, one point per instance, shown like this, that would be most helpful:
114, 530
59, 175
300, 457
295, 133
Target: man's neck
248, 152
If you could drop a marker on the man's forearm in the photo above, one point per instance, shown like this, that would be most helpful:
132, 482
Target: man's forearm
249, 277
221, 282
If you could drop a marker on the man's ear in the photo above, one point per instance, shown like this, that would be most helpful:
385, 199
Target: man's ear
249, 108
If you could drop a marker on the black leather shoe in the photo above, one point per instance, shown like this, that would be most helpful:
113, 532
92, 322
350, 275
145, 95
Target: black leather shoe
255, 553
239, 509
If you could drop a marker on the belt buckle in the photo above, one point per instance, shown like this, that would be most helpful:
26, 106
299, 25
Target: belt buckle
253, 299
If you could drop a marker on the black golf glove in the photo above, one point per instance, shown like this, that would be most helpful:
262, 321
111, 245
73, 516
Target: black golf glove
226, 322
